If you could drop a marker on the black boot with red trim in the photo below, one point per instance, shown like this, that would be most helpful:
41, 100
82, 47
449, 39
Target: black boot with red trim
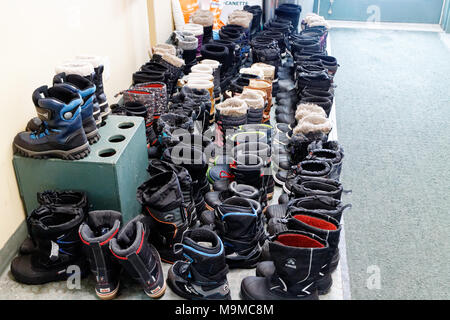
321, 225
96, 233
162, 200
298, 257
138, 257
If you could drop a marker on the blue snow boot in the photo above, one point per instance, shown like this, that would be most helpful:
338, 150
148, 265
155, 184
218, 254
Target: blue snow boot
86, 89
61, 132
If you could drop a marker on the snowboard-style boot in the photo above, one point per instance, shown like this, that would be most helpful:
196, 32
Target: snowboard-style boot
97, 63
96, 234
156, 166
61, 133
162, 201
319, 224
298, 258
236, 224
138, 257
204, 275
86, 89
56, 201
58, 252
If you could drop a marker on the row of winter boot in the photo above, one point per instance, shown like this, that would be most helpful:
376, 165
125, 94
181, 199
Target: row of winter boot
65, 240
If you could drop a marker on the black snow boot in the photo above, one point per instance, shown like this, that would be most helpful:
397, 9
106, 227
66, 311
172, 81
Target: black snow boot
162, 201
86, 89
156, 166
319, 224
57, 201
194, 160
331, 146
204, 275
215, 198
96, 233
304, 186
139, 258
236, 223
298, 258
54, 230
321, 204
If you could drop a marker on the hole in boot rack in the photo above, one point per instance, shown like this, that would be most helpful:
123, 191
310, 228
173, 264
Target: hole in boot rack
116, 138
105, 153
126, 125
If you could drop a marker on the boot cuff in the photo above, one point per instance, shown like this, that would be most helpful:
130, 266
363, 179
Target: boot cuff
253, 100
306, 109
204, 18
262, 93
80, 68
313, 123
269, 70
202, 68
200, 84
100, 219
196, 29
173, 60
232, 107
168, 48
253, 70
188, 43
96, 61
212, 63
241, 18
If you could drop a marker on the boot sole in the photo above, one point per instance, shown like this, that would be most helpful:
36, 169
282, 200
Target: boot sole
278, 182
105, 110
108, 296
184, 295
93, 136
159, 294
47, 276
245, 296
73, 154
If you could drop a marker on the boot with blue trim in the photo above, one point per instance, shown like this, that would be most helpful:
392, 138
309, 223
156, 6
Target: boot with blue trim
58, 254
204, 275
97, 77
298, 258
138, 257
96, 233
61, 132
237, 224
86, 89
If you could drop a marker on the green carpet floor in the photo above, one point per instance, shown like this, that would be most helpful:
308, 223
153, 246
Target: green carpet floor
393, 113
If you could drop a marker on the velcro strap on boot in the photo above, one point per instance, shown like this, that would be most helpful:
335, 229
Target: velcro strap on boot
100, 264
141, 269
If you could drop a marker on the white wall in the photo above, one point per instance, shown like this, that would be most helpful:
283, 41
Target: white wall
35, 36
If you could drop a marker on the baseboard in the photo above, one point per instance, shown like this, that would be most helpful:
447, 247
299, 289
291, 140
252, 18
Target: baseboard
11, 247
385, 26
